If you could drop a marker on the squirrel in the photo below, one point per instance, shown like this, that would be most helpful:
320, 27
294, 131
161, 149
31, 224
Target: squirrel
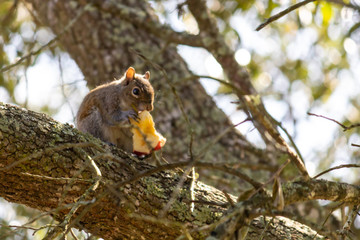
106, 110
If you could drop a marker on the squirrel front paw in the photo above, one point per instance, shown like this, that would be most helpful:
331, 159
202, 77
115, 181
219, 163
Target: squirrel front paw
133, 115
123, 117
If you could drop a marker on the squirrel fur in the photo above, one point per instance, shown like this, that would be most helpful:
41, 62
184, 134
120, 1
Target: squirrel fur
106, 110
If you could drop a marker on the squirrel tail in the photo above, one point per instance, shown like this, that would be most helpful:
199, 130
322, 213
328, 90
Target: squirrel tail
86, 107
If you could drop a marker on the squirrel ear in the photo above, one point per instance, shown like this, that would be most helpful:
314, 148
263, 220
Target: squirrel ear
130, 73
147, 75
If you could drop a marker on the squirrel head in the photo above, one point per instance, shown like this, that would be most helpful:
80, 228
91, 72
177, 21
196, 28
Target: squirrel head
138, 90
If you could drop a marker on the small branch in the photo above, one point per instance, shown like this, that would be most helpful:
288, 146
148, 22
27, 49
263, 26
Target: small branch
217, 138
51, 42
338, 167
228, 197
351, 217
329, 215
25, 227
345, 128
266, 121
240, 78
66, 223
175, 193
276, 174
56, 178
298, 5
10, 13
290, 139
73, 234
283, 13
193, 77
170, 166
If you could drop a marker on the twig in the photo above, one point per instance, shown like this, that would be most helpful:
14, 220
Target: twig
327, 217
90, 190
9, 14
66, 222
63, 87
52, 41
73, 234
228, 198
282, 13
290, 139
338, 167
192, 77
162, 221
43, 215
267, 225
276, 174
114, 158
170, 166
217, 138
202, 202
192, 189
56, 178
176, 191
222, 220
240, 78
67, 189
345, 128
25, 227
350, 219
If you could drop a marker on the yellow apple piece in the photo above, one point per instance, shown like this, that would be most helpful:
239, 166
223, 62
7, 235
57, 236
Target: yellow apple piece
145, 136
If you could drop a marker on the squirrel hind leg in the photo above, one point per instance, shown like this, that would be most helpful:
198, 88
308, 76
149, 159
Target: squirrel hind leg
91, 124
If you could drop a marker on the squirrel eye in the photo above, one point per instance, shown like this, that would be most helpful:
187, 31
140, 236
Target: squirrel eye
136, 91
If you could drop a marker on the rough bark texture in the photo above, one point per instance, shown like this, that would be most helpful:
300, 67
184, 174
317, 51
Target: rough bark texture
42, 167
43, 181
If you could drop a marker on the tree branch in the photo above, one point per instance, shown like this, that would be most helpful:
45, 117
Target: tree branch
240, 79
50, 43
146, 22
283, 13
145, 196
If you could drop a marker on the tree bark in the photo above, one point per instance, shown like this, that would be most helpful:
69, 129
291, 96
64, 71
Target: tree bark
45, 165
43, 168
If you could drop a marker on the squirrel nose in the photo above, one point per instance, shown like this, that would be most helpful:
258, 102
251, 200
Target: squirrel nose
149, 107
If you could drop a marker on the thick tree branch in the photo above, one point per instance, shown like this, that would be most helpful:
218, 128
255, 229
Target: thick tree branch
145, 196
47, 181
149, 24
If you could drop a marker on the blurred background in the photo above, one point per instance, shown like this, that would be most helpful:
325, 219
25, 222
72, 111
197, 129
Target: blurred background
307, 61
